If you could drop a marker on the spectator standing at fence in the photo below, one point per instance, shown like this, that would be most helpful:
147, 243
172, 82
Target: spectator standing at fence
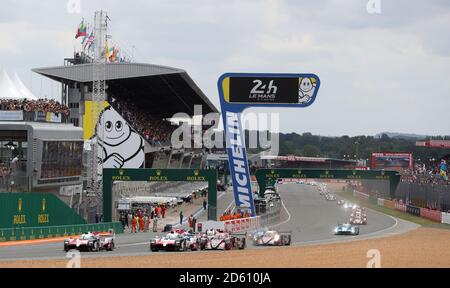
443, 168
204, 204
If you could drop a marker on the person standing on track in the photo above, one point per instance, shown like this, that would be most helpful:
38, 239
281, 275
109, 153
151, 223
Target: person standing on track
163, 211
133, 224
194, 222
181, 217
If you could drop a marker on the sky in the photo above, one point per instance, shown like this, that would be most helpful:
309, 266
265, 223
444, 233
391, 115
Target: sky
386, 71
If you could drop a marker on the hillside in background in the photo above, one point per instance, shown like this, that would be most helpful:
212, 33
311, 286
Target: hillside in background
360, 147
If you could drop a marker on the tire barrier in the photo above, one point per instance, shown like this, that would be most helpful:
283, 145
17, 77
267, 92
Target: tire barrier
33, 233
445, 218
400, 206
431, 214
413, 210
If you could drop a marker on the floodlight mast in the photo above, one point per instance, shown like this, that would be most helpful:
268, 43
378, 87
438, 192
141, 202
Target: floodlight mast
98, 97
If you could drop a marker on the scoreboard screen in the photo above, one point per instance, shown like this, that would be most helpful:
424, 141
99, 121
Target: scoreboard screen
268, 90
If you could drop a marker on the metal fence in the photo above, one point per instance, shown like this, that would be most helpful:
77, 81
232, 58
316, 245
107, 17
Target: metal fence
425, 195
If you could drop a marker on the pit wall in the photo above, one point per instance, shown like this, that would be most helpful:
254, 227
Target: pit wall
433, 215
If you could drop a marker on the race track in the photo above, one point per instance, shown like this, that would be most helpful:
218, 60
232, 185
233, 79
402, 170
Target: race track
310, 218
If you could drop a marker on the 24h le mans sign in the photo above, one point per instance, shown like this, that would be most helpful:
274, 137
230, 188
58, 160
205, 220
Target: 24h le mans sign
239, 91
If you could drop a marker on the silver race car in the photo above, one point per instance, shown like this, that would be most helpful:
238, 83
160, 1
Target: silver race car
346, 229
272, 238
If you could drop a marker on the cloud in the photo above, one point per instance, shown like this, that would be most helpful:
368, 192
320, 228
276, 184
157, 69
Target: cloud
379, 72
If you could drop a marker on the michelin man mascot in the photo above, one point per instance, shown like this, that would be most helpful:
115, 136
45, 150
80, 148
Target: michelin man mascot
119, 145
306, 89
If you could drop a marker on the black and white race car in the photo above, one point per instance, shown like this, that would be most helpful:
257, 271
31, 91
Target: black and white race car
346, 229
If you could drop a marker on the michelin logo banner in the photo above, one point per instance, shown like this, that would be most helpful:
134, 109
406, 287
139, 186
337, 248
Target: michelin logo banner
239, 91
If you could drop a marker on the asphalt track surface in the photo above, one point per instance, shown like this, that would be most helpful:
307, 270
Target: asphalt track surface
307, 215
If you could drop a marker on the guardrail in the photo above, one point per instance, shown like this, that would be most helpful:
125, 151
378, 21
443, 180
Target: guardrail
431, 214
32, 233
361, 195
445, 218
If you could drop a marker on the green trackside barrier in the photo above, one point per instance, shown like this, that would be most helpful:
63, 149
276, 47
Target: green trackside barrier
32, 233
29, 209
267, 177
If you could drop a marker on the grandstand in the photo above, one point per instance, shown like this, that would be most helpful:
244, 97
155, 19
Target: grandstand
145, 95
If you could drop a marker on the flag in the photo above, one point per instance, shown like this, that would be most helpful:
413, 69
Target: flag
107, 51
81, 30
89, 41
86, 37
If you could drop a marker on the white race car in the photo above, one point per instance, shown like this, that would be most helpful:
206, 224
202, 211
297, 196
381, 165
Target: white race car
272, 238
91, 241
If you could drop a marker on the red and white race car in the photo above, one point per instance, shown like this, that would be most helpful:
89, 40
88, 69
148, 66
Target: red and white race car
220, 240
91, 241
358, 217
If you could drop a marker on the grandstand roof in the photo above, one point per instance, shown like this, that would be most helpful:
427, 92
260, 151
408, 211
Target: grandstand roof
153, 86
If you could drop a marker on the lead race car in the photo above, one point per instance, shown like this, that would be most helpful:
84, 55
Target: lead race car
220, 240
91, 241
272, 238
346, 229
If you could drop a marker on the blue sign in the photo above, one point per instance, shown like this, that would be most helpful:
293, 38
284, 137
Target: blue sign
239, 91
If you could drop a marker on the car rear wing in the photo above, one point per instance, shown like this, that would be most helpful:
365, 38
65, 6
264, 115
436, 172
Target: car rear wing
243, 234
285, 232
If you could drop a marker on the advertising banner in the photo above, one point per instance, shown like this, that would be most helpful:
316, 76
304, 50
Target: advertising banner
239, 91
11, 115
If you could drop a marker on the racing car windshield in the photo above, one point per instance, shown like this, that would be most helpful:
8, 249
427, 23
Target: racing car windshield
85, 237
172, 236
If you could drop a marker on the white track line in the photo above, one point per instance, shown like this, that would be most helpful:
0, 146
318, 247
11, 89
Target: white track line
289, 217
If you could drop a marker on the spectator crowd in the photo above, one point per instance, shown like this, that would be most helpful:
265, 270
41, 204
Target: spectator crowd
436, 174
41, 105
156, 131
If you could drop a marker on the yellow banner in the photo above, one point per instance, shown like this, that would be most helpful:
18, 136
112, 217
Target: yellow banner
90, 118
